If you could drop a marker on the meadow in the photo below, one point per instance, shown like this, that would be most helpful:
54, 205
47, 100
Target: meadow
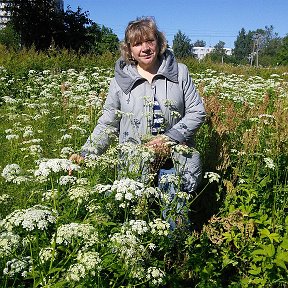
96, 228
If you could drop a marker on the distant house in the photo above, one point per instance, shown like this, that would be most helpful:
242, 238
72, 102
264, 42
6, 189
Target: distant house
201, 52
5, 16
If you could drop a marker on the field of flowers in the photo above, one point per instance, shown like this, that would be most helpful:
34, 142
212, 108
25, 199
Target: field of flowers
96, 229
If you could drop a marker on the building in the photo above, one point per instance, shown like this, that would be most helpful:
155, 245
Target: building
201, 52
5, 16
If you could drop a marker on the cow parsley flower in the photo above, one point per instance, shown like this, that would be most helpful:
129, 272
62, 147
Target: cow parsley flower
138, 227
155, 275
76, 272
70, 233
55, 166
127, 190
212, 176
90, 259
8, 242
79, 194
66, 180
10, 172
36, 217
46, 254
159, 227
17, 266
269, 163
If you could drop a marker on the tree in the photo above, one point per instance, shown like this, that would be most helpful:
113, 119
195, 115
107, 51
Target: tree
74, 34
218, 54
182, 46
282, 54
271, 43
35, 21
102, 39
9, 37
40, 24
199, 43
243, 46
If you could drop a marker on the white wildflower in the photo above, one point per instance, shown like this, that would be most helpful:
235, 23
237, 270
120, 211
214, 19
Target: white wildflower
37, 217
66, 137
17, 266
155, 275
69, 233
10, 172
66, 151
90, 259
8, 242
79, 194
12, 137
138, 226
4, 199
212, 176
76, 272
66, 180
127, 190
56, 166
159, 227
46, 254
269, 163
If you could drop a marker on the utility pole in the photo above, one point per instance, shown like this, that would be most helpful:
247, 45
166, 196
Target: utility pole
256, 47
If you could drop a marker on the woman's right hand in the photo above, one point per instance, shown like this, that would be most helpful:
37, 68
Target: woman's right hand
77, 159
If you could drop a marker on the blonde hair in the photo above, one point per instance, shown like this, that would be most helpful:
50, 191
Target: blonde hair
139, 30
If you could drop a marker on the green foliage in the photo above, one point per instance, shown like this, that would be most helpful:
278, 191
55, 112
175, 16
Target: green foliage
18, 63
282, 55
9, 38
182, 46
199, 43
98, 232
243, 46
52, 27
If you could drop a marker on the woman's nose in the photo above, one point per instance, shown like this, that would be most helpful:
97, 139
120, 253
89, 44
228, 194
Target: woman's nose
145, 45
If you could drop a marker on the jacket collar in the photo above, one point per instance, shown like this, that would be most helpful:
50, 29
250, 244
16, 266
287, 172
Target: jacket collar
126, 75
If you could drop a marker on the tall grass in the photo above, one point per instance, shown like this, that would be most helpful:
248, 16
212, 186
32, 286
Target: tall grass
94, 229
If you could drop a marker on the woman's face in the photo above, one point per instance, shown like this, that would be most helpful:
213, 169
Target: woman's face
145, 52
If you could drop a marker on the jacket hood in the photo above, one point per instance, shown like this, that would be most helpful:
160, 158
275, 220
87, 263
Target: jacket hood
126, 75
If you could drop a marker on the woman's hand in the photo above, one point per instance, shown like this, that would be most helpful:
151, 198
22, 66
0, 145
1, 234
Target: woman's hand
160, 145
76, 158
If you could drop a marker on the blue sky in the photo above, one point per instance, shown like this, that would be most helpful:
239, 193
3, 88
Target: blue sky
208, 20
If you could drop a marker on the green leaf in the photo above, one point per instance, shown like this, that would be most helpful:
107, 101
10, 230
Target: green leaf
284, 244
255, 270
259, 252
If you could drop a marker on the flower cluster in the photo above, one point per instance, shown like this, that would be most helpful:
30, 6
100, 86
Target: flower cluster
159, 227
127, 191
8, 242
155, 276
85, 234
212, 176
36, 217
88, 262
12, 173
17, 266
55, 166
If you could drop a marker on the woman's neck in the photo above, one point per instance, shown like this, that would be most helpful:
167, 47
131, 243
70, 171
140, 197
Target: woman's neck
149, 72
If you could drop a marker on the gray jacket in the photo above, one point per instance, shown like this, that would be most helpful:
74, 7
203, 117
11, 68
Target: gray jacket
128, 110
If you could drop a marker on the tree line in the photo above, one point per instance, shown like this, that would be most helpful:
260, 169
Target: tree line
39, 24
260, 47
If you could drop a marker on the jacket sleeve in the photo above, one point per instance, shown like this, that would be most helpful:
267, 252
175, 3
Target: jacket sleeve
107, 126
194, 111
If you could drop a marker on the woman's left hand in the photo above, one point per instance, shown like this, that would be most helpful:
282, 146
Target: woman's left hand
160, 144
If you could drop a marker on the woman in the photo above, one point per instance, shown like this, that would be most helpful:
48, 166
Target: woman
151, 94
